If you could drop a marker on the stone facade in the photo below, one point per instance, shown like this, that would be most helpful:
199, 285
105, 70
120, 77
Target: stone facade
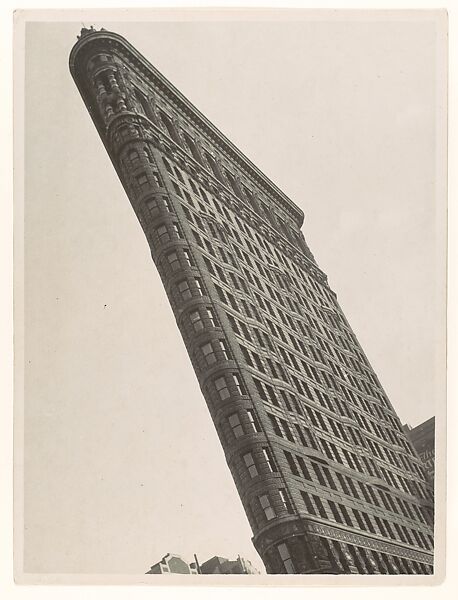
327, 477
422, 438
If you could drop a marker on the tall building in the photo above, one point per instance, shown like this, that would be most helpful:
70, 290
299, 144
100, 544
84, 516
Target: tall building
326, 475
422, 438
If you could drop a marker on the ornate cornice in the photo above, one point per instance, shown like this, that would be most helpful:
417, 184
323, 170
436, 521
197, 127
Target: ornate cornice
110, 40
365, 541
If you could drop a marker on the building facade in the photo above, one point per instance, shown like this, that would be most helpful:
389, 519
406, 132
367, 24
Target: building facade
422, 438
327, 477
217, 565
173, 564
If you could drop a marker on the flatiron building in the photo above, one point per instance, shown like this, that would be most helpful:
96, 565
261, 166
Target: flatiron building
327, 477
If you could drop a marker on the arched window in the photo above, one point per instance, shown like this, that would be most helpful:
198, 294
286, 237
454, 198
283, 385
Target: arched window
214, 166
192, 146
170, 127
232, 182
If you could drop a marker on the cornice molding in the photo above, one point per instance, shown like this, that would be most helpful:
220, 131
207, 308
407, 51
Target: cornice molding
185, 106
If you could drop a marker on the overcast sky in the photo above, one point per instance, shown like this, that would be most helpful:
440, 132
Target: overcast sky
122, 462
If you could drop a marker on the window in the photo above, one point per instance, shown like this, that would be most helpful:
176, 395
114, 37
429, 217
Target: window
285, 500
192, 146
329, 478
211, 316
269, 460
167, 165
209, 353
272, 395
308, 503
275, 425
300, 433
232, 182
157, 178
196, 320
142, 181
194, 187
345, 514
184, 290
187, 257
133, 156
335, 511
343, 484
303, 466
177, 189
238, 383
291, 463
286, 559
269, 512
320, 506
260, 389
221, 388
318, 473
178, 175
142, 105
174, 261
177, 230
213, 165
154, 206
234, 422
250, 464
163, 234
246, 355
170, 127
198, 286
253, 420
369, 522
287, 430
358, 518
224, 349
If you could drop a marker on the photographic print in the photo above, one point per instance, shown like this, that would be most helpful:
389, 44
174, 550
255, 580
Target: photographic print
231, 266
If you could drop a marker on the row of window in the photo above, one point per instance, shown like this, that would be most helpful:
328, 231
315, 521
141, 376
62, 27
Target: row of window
162, 234
358, 519
269, 395
143, 178
254, 360
214, 351
346, 557
336, 452
265, 506
371, 561
238, 429
261, 242
236, 282
143, 182
228, 384
318, 289
224, 176
347, 485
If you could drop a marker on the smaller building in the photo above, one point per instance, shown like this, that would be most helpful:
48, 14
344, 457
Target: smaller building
223, 566
422, 438
173, 564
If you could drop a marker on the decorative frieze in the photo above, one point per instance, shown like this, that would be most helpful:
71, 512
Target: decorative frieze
366, 542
